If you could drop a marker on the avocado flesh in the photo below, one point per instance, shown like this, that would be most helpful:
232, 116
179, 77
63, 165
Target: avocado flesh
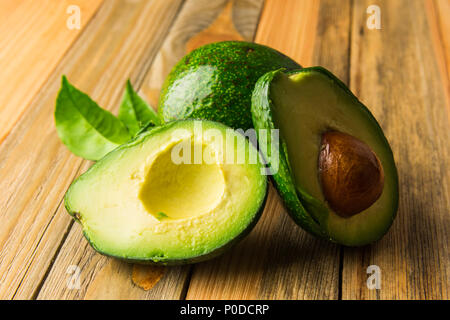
137, 204
180, 191
215, 82
307, 104
303, 105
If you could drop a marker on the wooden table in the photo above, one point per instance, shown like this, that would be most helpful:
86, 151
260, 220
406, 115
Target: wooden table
400, 71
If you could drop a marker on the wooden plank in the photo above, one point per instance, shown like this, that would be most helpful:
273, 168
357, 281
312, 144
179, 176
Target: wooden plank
103, 278
201, 22
394, 71
439, 28
36, 168
33, 38
290, 27
278, 260
442, 8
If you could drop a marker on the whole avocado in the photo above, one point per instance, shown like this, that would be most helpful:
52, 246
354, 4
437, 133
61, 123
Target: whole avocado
215, 82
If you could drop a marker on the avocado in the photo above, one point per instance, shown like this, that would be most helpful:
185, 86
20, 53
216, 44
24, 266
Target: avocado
169, 197
335, 171
215, 82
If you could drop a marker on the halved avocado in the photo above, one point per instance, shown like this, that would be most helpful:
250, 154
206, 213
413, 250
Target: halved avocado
336, 172
170, 196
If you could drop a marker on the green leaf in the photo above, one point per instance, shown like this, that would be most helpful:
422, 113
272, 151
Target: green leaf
85, 128
135, 112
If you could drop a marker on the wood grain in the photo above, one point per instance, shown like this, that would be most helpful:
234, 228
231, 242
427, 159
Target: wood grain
201, 22
401, 72
395, 73
439, 30
278, 260
442, 10
290, 27
221, 29
101, 277
33, 38
174, 281
36, 168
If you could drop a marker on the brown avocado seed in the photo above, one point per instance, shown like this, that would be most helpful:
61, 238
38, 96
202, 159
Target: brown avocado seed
351, 174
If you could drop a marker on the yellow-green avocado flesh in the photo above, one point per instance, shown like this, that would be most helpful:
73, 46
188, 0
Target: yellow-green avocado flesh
142, 203
303, 105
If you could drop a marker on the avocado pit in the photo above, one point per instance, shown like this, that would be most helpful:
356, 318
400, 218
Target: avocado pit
350, 173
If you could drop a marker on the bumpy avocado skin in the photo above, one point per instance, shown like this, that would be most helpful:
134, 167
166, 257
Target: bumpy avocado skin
215, 82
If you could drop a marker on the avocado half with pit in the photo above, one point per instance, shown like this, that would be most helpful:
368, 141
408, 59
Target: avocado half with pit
215, 82
171, 195
335, 170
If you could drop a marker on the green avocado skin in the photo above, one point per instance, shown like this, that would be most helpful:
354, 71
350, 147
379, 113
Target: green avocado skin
215, 82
